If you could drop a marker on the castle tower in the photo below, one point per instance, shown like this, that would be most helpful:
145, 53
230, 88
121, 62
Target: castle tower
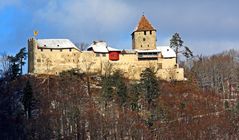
32, 46
144, 35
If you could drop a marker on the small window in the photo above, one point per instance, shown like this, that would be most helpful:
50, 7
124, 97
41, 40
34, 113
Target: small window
103, 54
41, 50
144, 32
58, 45
167, 49
38, 60
97, 55
144, 39
150, 32
51, 50
148, 45
70, 50
60, 50
141, 46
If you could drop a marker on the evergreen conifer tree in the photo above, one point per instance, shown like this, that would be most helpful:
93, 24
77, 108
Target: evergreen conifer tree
120, 87
21, 56
149, 85
176, 43
28, 99
17, 62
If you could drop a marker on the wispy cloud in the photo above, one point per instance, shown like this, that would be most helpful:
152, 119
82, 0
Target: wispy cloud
4, 3
92, 18
205, 26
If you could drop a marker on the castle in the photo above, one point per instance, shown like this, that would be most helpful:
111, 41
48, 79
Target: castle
52, 56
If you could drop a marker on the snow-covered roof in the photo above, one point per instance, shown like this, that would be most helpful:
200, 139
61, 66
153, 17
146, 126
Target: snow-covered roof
101, 47
112, 49
166, 51
55, 43
147, 51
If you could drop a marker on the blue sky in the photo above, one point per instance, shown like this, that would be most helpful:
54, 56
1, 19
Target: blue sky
206, 26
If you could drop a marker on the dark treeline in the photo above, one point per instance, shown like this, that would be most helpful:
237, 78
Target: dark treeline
75, 105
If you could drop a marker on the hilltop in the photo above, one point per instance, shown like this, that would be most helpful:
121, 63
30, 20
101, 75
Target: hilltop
63, 108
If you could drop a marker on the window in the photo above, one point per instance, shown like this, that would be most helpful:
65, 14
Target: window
150, 32
103, 54
148, 45
51, 50
144, 32
141, 46
38, 60
41, 50
97, 55
144, 39
60, 50
70, 50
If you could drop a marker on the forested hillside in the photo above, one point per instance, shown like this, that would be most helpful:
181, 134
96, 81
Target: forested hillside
75, 105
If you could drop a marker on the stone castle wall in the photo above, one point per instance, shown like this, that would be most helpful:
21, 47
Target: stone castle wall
54, 61
144, 40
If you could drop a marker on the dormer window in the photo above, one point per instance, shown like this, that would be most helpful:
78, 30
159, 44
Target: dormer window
57, 45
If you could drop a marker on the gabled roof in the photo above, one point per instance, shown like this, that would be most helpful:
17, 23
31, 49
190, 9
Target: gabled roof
166, 51
55, 43
101, 47
144, 25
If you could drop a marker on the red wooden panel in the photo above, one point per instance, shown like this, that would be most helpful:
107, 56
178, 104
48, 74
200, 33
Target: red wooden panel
114, 56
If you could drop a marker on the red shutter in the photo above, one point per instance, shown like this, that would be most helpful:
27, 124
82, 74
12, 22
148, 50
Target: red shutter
114, 56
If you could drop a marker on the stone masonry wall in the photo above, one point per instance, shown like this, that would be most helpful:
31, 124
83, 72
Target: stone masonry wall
144, 42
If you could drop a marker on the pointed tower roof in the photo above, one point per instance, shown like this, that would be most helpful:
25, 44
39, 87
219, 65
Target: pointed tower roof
144, 25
